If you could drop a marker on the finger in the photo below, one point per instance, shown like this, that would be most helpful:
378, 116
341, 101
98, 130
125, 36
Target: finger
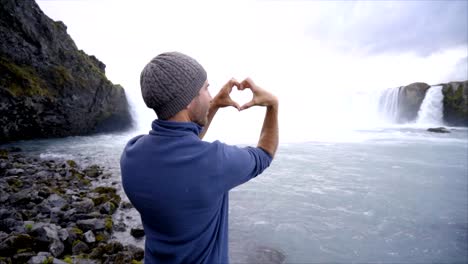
247, 105
231, 83
248, 83
236, 105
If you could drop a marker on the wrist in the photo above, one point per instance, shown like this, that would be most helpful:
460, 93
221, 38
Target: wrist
274, 102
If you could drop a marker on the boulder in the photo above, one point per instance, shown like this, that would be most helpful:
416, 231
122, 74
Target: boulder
89, 237
48, 87
91, 224
455, 103
137, 232
438, 130
79, 247
410, 100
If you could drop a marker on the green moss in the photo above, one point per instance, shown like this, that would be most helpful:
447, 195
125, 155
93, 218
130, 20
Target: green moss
15, 183
456, 101
28, 227
76, 242
90, 65
68, 259
5, 260
77, 231
71, 163
22, 250
136, 262
62, 75
107, 194
104, 190
3, 154
57, 190
109, 223
100, 238
48, 260
22, 79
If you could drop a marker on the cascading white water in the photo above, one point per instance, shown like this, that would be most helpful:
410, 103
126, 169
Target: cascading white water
388, 104
431, 111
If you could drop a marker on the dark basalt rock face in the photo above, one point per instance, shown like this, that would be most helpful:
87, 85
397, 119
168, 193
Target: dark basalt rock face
49, 88
455, 103
410, 100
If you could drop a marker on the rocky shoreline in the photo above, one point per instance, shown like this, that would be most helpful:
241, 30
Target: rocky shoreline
53, 211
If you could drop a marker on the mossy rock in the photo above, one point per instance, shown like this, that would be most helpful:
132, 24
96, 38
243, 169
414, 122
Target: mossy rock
77, 231
15, 182
71, 163
68, 259
3, 154
109, 224
93, 171
5, 260
107, 194
456, 103
22, 80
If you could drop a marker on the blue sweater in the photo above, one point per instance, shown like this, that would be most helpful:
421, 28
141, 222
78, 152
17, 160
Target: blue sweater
179, 184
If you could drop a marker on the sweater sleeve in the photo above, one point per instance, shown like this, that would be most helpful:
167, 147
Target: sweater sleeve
239, 165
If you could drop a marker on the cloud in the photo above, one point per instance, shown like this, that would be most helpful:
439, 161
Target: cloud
374, 27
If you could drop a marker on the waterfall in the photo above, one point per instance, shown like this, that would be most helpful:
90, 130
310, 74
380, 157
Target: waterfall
388, 104
431, 111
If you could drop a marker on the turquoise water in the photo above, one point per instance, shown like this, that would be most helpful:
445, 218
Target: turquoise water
394, 195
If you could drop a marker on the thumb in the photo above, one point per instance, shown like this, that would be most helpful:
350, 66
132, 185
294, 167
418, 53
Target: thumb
247, 105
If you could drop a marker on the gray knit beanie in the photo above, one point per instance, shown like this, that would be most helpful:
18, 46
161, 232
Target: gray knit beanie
170, 81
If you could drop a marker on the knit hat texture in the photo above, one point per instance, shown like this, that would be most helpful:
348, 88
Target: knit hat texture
170, 81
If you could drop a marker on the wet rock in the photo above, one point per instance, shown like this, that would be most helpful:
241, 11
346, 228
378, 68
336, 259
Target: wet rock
15, 172
91, 224
8, 224
89, 237
55, 200
38, 260
79, 247
56, 248
455, 103
93, 171
21, 197
438, 130
126, 205
120, 227
137, 232
108, 208
84, 206
119, 258
136, 252
79, 260
15, 242
23, 257
113, 247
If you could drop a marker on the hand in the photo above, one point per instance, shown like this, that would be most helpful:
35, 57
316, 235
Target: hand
261, 97
222, 99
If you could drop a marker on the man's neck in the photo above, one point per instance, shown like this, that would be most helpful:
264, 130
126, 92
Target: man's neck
181, 116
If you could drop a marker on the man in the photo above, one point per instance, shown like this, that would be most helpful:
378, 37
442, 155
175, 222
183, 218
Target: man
178, 183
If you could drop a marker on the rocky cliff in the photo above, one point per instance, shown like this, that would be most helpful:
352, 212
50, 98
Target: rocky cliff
455, 103
410, 100
49, 88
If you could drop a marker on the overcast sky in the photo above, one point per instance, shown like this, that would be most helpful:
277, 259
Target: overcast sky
309, 53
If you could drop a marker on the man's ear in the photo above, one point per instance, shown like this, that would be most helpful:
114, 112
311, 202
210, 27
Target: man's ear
190, 105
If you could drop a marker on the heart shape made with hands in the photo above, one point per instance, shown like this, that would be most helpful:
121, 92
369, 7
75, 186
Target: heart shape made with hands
241, 97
